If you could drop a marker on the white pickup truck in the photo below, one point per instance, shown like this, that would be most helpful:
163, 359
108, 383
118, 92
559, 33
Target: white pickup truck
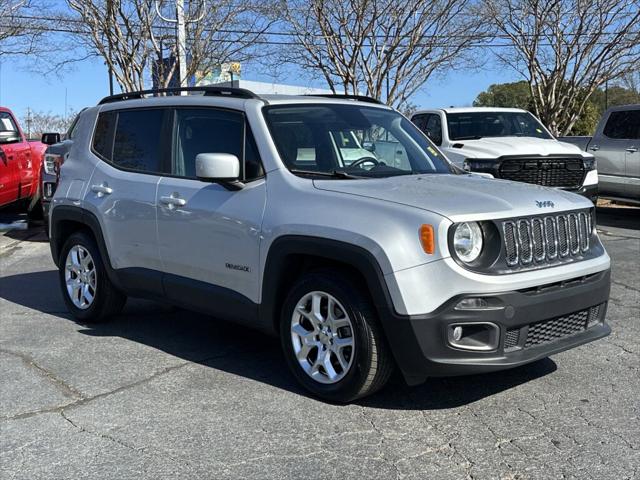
511, 144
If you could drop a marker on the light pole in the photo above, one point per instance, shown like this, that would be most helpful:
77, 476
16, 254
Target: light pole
181, 36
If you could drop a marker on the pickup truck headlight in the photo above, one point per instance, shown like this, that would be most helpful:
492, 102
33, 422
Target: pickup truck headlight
468, 241
52, 163
590, 164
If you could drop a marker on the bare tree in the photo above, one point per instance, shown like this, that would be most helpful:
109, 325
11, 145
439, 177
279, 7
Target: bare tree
38, 122
131, 37
383, 48
18, 30
631, 80
567, 49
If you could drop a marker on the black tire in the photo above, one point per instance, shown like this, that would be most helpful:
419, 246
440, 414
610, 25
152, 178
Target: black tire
372, 362
108, 300
36, 212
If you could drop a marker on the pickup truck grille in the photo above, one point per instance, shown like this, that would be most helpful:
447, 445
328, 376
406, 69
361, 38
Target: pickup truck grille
546, 239
549, 172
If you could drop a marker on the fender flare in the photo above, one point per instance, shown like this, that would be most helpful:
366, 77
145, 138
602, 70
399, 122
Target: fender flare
397, 328
334, 250
62, 213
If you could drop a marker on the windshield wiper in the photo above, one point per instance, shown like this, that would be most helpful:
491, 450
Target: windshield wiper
332, 174
470, 137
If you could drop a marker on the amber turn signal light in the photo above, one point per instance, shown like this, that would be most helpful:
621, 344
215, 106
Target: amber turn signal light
428, 239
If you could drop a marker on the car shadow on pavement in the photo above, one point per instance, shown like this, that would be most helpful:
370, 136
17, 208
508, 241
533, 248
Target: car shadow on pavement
244, 352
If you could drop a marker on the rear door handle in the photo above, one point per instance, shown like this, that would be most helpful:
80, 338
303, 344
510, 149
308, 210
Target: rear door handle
594, 148
101, 190
632, 149
173, 201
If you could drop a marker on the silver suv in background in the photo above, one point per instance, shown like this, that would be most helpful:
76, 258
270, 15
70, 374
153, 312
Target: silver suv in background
616, 146
247, 208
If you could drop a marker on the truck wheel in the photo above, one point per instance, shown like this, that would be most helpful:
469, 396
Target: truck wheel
87, 291
332, 340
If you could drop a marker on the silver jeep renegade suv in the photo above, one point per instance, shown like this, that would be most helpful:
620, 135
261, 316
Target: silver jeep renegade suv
332, 222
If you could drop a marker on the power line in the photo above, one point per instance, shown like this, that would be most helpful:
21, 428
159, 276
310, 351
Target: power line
320, 35
258, 41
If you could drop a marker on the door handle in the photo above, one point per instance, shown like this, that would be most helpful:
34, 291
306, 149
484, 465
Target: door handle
594, 148
173, 201
101, 190
631, 149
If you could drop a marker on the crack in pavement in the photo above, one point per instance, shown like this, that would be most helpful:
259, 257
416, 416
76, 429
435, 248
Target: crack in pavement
625, 286
83, 400
66, 389
381, 435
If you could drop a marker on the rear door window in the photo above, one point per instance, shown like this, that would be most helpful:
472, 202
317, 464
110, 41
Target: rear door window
623, 125
137, 143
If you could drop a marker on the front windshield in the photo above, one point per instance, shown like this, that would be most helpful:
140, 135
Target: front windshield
359, 140
476, 125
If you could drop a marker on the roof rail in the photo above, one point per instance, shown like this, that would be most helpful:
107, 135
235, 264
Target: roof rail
360, 98
207, 91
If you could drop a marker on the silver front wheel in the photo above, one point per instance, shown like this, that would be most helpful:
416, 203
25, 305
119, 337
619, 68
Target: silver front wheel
322, 337
80, 277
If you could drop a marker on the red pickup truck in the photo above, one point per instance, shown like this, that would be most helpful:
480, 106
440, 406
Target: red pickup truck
20, 162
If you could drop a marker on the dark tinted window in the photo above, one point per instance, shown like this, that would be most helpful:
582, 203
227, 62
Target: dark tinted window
103, 136
434, 129
624, 125
201, 130
421, 120
475, 125
137, 143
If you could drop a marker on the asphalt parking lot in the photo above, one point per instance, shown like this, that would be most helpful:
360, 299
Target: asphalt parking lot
164, 393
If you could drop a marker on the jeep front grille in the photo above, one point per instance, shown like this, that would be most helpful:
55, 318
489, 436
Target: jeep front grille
545, 239
550, 172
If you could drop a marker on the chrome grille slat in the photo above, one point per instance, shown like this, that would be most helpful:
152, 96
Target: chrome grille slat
524, 238
539, 240
551, 237
574, 240
537, 234
511, 245
563, 236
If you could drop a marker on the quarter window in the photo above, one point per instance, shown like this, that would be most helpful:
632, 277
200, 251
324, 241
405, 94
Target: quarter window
103, 135
623, 125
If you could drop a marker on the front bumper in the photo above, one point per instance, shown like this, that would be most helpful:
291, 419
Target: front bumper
421, 343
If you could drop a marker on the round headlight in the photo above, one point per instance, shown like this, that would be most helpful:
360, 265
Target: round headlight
467, 241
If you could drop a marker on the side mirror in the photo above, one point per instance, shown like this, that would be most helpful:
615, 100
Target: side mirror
50, 138
9, 137
223, 168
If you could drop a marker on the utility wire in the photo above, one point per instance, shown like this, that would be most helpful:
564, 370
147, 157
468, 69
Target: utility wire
319, 35
258, 41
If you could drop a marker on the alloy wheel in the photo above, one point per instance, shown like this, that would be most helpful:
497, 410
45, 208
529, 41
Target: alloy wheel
80, 277
322, 337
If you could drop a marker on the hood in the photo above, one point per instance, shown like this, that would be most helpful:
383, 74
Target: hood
461, 197
494, 147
